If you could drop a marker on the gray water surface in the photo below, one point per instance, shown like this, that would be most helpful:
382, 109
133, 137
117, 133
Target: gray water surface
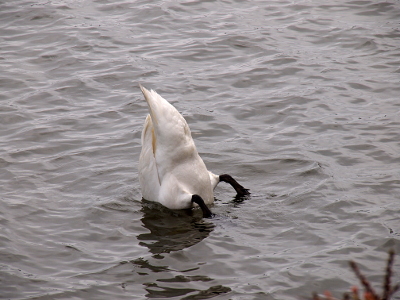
298, 100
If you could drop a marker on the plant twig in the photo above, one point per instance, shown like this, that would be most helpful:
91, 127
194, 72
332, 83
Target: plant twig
387, 289
369, 293
364, 281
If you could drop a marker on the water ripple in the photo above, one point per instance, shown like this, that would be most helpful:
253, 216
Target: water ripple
297, 100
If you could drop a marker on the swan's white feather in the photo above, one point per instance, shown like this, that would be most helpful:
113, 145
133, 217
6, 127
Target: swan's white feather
170, 168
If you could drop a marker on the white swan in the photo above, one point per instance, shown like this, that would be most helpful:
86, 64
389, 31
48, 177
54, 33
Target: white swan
171, 171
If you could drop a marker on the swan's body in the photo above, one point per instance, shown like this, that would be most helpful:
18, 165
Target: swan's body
170, 169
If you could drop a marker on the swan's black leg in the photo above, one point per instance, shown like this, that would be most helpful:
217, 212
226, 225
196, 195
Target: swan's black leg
240, 190
206, 211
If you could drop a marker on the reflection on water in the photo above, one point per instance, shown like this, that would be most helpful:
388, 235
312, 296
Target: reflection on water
171, 283
172, 230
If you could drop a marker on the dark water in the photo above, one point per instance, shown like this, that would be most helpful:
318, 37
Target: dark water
299, 100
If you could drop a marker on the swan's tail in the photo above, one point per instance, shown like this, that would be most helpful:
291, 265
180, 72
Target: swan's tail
150, 99
158, 106
169, 125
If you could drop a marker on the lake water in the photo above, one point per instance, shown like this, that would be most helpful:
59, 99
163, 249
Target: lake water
298, 100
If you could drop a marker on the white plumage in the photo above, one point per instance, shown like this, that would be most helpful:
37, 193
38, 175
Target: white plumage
170, 169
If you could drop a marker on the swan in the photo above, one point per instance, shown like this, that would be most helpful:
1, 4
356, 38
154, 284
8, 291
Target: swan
171, 171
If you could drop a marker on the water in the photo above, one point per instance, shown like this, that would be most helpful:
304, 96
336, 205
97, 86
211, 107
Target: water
298, 100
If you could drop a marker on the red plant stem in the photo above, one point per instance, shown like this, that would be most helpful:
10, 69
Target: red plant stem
363, 280
387, 290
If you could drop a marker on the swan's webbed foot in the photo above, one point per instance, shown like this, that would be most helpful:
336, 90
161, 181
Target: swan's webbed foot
200, 202
240, 190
